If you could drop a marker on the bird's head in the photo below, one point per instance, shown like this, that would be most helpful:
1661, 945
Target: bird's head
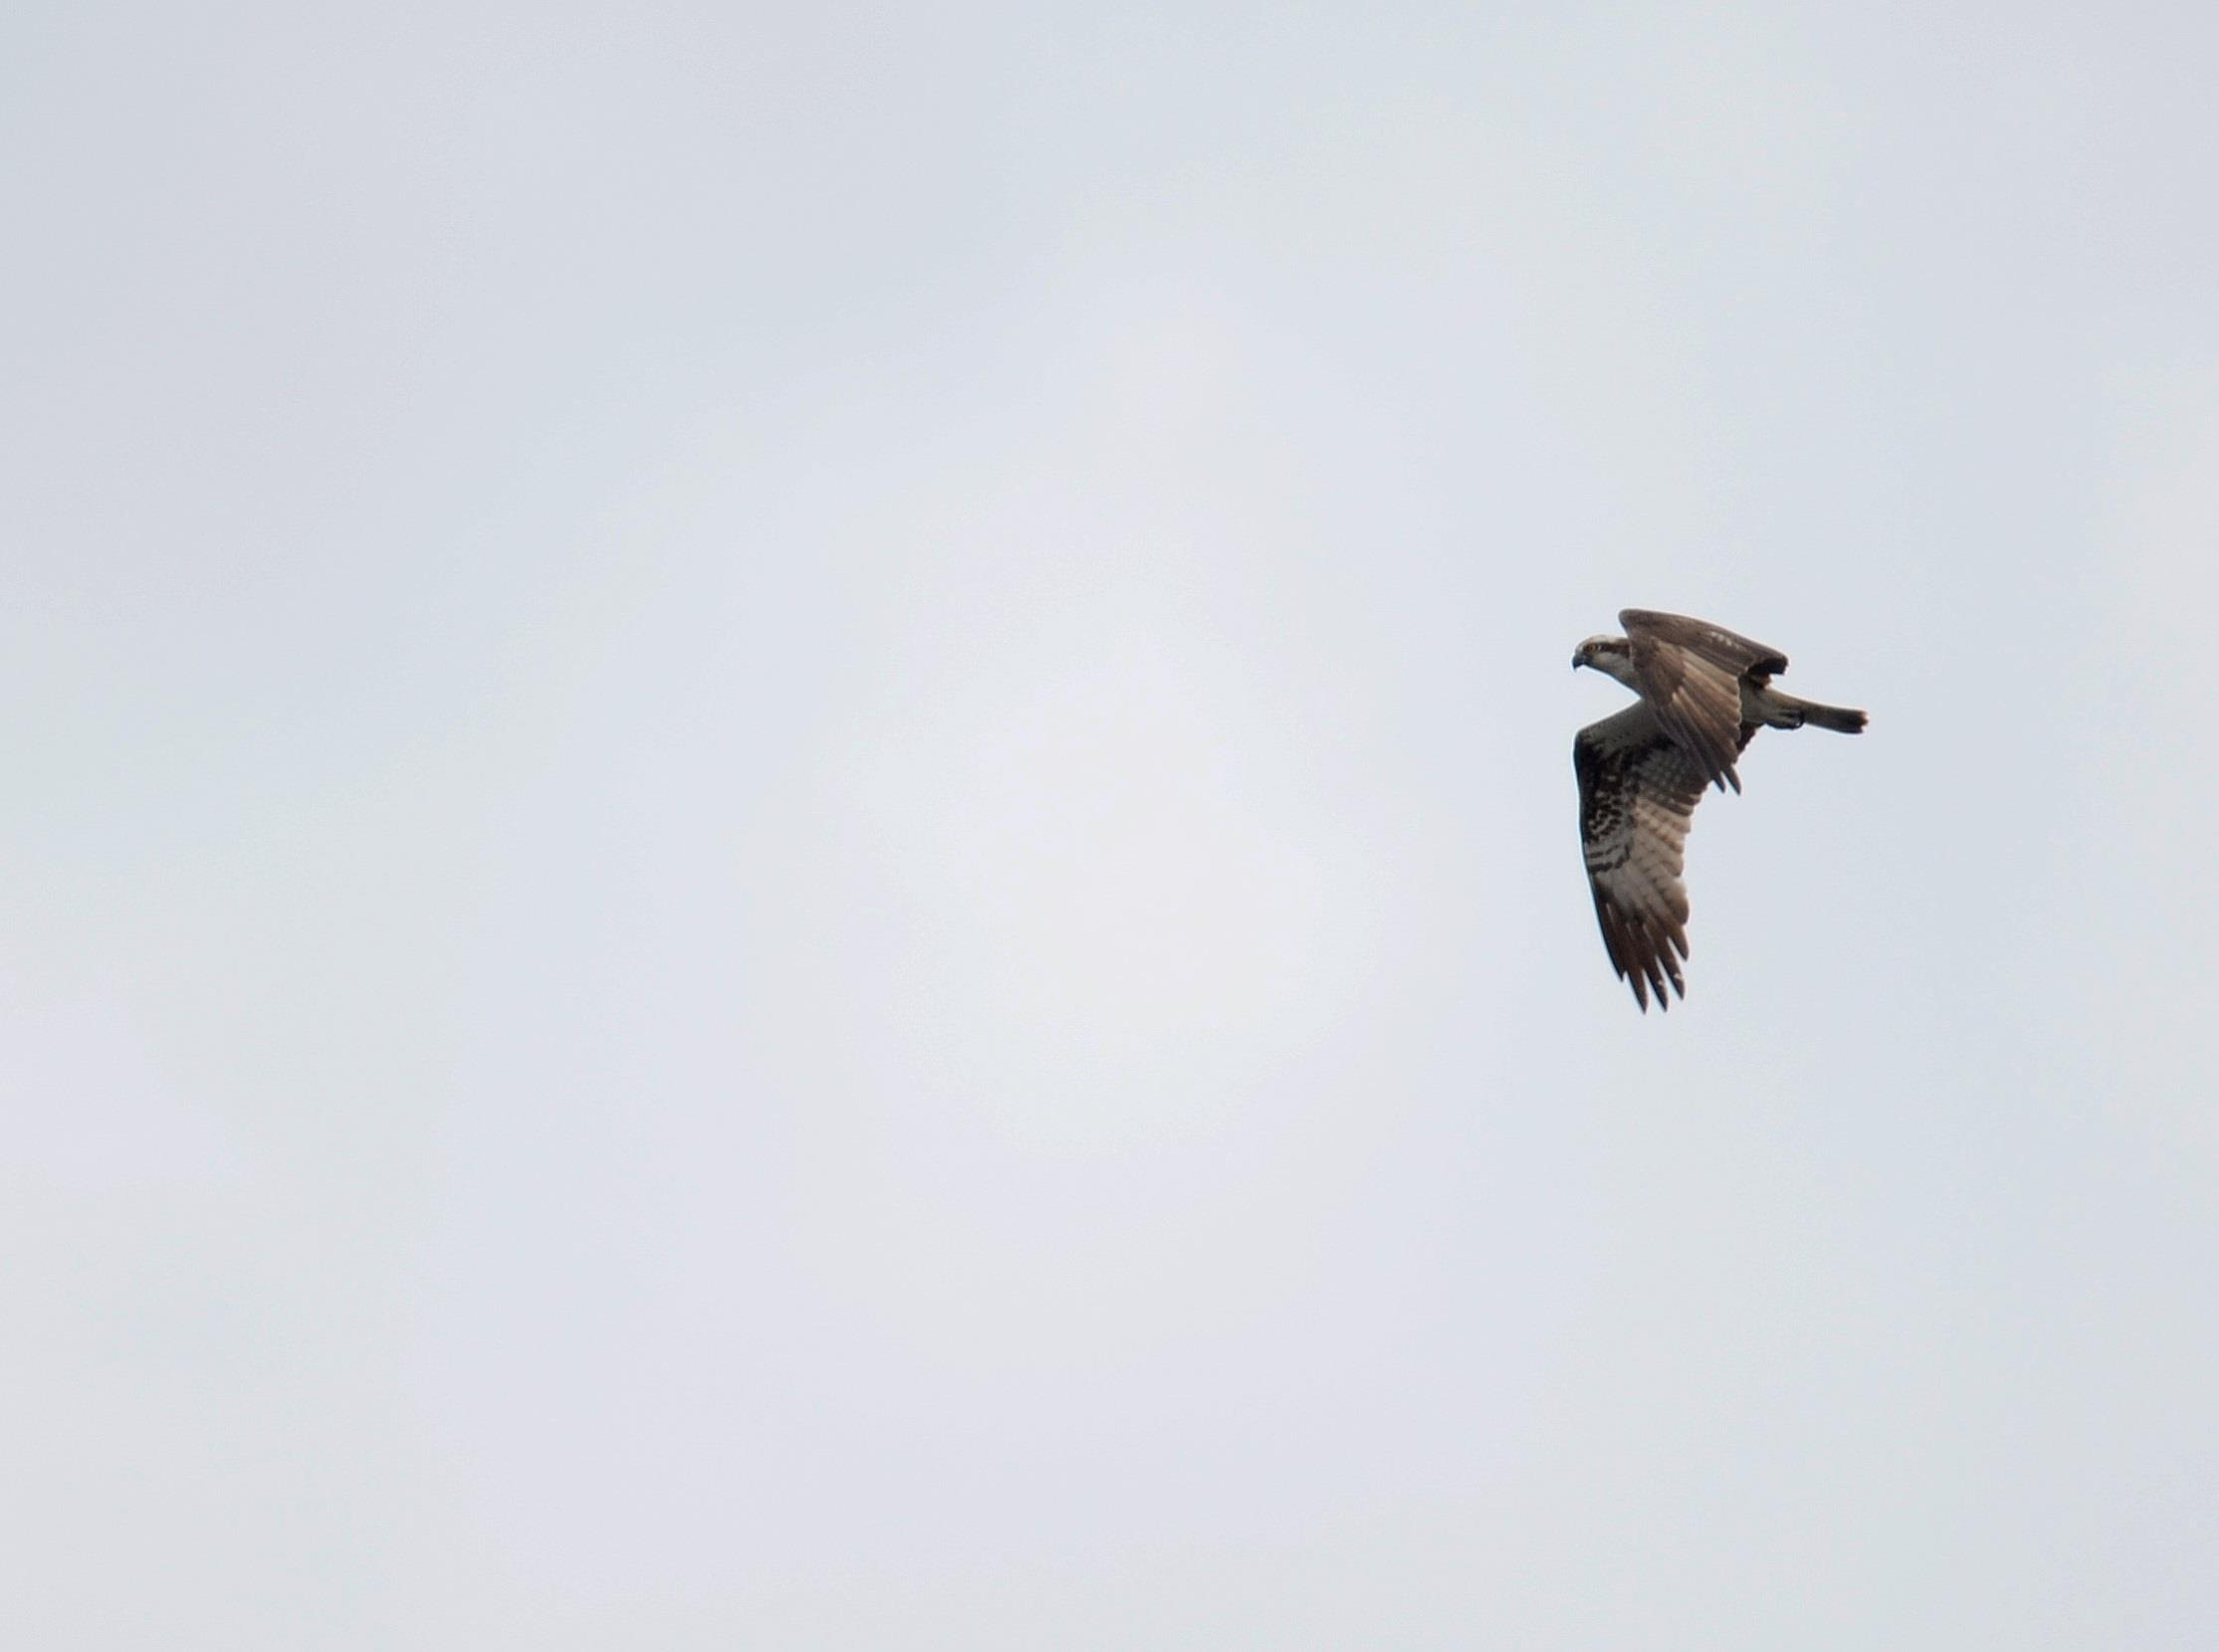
1594, 648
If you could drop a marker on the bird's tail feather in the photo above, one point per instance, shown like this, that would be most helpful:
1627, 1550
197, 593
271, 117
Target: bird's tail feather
1840, 718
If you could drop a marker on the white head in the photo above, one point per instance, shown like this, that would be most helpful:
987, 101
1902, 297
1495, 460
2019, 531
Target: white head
1591, 651
1612, 656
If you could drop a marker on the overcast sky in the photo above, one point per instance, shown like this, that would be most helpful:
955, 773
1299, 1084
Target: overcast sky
790, 858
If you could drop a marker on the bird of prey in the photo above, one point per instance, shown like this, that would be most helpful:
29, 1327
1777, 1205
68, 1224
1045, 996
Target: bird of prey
1704, 693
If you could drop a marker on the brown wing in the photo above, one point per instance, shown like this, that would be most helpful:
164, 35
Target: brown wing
1691, 671
1638, 789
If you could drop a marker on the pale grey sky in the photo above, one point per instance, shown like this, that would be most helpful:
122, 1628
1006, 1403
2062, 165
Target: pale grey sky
790, 857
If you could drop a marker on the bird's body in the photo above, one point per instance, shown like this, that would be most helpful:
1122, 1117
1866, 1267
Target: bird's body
1704, 693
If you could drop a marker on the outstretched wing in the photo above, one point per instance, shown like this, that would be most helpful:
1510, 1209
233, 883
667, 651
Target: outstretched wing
1638, 789
1691, 671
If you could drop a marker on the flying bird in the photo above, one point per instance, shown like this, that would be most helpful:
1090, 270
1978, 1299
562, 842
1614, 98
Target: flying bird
1704, 693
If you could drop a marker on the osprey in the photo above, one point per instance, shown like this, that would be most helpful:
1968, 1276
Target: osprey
1704, 693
